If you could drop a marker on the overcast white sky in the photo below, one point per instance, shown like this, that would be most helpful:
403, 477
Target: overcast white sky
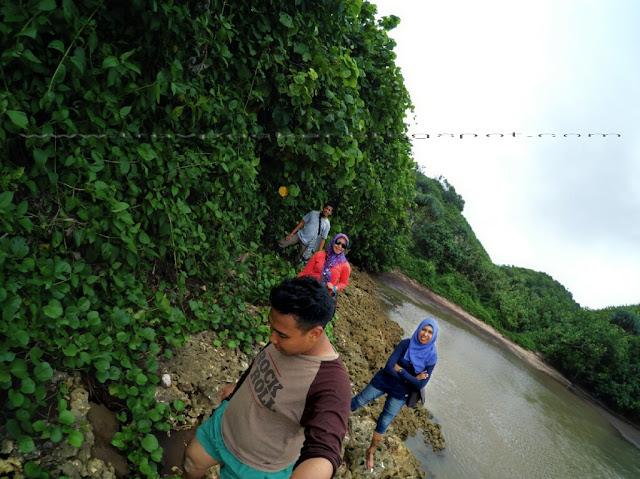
568, 206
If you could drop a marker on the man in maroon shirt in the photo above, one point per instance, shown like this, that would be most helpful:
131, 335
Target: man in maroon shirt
287, 415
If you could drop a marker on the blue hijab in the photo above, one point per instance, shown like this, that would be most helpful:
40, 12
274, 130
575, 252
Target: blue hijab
423, 355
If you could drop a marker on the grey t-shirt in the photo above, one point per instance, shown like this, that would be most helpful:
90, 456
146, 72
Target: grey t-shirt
309, 232
288, 408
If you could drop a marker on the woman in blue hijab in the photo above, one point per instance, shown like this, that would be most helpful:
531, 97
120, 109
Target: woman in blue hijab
408, 369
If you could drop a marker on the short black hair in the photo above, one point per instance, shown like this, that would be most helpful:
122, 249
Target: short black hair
329, 203
306, 298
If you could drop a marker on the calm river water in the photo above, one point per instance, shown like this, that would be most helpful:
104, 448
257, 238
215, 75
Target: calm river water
503, 419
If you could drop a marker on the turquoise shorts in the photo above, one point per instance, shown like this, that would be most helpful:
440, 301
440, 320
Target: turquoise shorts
210, 436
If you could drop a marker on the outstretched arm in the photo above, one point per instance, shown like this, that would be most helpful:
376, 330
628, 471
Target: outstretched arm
296, 229
324, 419
314, 468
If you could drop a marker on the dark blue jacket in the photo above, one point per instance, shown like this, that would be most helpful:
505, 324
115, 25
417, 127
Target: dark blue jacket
400, 384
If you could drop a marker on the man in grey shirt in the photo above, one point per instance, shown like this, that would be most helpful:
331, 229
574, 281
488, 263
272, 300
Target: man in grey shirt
287, 415
310, 233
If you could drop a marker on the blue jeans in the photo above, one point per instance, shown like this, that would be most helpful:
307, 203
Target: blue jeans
391, 408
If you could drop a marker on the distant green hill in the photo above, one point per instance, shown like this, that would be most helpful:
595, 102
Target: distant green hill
597, 349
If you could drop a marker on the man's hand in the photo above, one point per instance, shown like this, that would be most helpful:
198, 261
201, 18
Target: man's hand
422, 375
370, 459
295, 230
226, 391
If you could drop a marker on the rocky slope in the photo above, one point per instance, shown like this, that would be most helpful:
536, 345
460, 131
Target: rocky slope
198, 371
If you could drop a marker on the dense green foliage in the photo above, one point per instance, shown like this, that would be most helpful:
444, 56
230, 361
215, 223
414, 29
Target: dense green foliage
144, 144
341, 129
153, 151
599, 350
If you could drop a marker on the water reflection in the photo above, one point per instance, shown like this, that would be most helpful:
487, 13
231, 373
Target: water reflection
502, 418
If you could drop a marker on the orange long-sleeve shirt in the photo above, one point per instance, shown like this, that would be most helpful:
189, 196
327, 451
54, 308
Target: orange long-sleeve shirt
339, 273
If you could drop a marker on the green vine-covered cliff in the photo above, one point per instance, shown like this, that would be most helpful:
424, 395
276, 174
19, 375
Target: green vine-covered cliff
152, 152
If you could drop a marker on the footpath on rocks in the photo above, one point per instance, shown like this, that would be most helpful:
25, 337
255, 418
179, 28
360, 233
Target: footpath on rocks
364, 337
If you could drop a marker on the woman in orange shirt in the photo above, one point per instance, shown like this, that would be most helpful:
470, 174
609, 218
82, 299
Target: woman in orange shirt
330, 266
